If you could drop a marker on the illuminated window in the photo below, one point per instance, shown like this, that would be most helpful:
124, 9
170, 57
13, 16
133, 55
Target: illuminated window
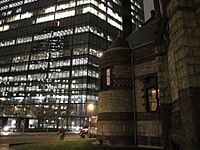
39, 56
64, 14
114, 15
45, 18
7, 43
80, 50
42, 36
79, 72
14, 18
117, 2
66, 5
26, 15
108, 75
1, 22
4, 7
4, 1
82, 29
20, 58
151, 94
93, 73
15, 4
18, 10
81, 2
95, 52
114, 23
60, 63
19, 67
23, 40
63, 32
3, 14
80, 61
92, 10
29, 1
50, 9
153, 99
138, 5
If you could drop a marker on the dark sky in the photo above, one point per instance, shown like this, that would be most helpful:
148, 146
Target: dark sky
148, 6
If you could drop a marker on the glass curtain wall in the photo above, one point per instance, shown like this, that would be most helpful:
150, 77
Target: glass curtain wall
49, 58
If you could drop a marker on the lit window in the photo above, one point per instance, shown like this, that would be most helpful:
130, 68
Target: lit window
92, 10
29, 1
64, 14
18, 10
137, 4
114, 15
81, 2
50, 9
24, 40
114, 23
4, 7
3, 14
14, 18
96, 31
151, 92
66, 5
26, 15
45, 18
63, 32
4, 1
95, 52
82, 29
80, 61
7, 43
117, 2
42, 36
108, 75
153, 99
15, 4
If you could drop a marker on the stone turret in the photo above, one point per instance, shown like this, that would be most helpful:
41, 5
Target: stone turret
116, 111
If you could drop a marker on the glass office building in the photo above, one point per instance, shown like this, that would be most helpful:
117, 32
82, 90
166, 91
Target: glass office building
49, 58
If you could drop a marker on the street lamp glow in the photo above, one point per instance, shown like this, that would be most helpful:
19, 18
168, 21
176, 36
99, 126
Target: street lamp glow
91, 107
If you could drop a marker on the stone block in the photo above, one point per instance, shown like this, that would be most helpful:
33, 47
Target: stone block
115, 101
154, 128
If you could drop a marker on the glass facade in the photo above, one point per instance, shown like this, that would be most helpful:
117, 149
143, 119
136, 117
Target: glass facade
49, 58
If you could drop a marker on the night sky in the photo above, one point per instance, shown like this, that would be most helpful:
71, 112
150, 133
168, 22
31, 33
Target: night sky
148, 6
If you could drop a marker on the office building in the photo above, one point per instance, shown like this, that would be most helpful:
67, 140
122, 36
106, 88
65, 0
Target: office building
49, 58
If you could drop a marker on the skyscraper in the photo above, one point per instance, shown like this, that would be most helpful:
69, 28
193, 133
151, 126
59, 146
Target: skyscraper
49, 58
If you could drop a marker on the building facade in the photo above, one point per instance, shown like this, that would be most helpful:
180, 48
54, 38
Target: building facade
164, 61
49, 58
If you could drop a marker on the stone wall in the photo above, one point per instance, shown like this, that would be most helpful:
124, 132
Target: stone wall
116, 105
184, 71
149, 124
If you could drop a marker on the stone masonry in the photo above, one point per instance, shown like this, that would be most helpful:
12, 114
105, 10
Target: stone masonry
184, 71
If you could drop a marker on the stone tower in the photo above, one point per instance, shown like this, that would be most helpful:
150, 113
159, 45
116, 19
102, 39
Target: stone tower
116, 108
